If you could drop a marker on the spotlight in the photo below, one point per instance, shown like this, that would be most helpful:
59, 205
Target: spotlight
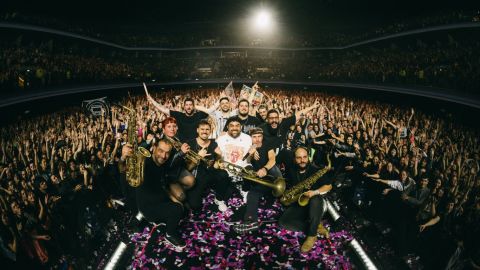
262, 21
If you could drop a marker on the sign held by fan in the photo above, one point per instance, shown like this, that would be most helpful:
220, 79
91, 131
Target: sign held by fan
252, 94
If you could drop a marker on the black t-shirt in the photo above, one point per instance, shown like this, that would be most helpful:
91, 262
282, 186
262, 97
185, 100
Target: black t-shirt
263, 153
294, 176
202, 167
154, 187
278, 136
187, 125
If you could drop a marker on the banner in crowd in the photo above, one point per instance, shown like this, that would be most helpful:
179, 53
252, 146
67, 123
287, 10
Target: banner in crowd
96, 106
251, 94
230, 92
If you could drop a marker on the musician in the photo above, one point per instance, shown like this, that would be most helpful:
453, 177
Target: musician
276, 129
247, 121
154, 197
306, 218
234, 146
220, 115
187, 121
205, 175
177, 167
262, 158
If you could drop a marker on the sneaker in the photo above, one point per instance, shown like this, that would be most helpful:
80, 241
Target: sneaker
222, 207
175, 240
323, 231
308, 244
244, 195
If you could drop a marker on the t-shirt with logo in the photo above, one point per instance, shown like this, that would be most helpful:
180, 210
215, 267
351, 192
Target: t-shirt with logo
234, 149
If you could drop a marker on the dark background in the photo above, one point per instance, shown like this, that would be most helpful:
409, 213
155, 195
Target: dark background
301, 15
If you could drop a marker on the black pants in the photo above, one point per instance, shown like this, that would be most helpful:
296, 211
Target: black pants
256, 192
307, 218
211, 178
167, 212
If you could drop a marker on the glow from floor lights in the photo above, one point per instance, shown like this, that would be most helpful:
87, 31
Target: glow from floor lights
112, 263
357, 248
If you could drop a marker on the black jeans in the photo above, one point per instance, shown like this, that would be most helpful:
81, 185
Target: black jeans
167, 212
256, 192
216, 179
307, 218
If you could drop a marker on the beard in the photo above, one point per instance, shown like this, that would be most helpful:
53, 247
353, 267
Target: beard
302, 166
243, 114
272, 130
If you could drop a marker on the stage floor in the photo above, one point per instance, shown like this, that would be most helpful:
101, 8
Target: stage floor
213, 244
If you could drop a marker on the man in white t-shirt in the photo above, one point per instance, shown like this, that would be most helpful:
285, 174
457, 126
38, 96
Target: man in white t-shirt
235, 146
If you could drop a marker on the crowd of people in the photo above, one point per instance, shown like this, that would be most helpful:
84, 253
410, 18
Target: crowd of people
33, 67
419, 172
449, 62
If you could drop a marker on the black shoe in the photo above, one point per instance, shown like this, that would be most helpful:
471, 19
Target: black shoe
175, 240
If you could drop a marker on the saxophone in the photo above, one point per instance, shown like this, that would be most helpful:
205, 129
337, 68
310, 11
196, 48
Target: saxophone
296, 193
136, 163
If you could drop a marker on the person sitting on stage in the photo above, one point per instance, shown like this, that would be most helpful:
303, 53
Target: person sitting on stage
234, 145
156, 198
262, 158
308, 218
205, 174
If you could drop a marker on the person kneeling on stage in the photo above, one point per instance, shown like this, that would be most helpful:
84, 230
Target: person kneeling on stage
158, 198
308, 218
262, 158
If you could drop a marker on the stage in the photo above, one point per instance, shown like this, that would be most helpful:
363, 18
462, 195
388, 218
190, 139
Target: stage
213, 244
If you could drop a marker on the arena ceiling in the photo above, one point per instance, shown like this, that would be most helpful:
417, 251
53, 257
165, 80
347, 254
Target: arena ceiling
299, 15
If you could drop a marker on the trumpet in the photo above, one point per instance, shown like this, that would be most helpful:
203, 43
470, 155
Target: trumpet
277, 186
191, 155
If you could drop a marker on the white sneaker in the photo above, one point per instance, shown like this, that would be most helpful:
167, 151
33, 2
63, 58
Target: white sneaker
244, 195
222, 207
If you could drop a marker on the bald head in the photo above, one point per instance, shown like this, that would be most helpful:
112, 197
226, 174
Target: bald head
301, 158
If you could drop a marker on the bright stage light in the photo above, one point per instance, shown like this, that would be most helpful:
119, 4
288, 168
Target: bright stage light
262, 21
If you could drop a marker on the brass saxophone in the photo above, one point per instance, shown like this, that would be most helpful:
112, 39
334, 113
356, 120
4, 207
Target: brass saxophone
296, 193
135, 170
278, 185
